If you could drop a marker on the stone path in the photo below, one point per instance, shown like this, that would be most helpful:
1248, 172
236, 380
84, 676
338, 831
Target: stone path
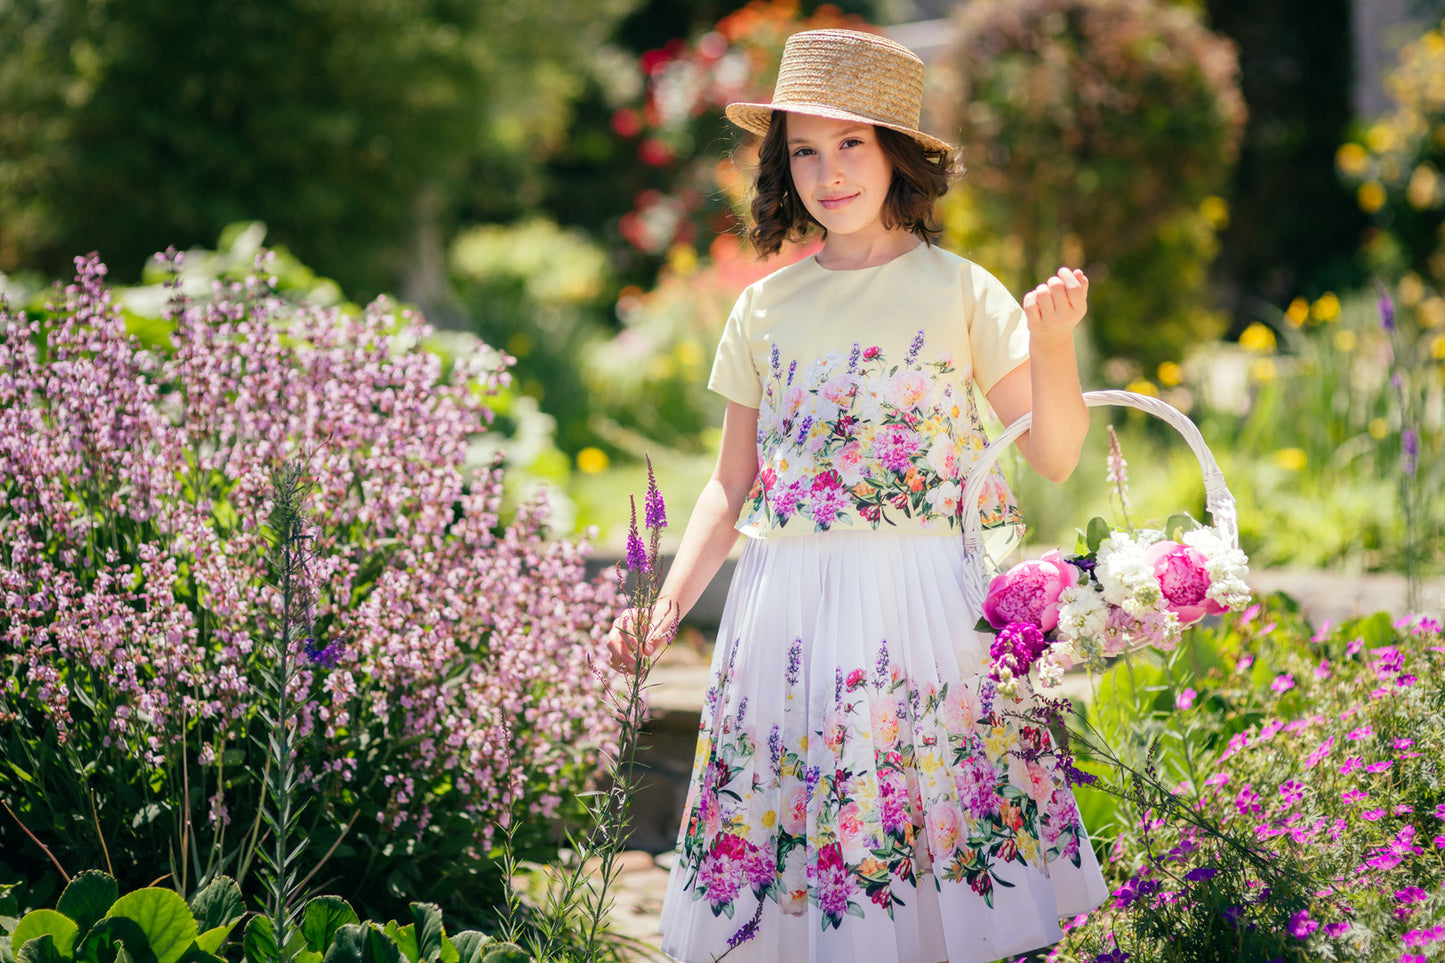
681, 676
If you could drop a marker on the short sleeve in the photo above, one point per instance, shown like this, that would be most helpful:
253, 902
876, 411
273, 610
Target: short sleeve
734, 376
998, 332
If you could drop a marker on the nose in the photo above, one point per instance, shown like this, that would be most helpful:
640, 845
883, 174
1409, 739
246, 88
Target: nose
833, 169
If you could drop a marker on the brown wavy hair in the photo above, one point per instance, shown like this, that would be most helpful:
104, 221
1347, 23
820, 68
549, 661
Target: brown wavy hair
920, 177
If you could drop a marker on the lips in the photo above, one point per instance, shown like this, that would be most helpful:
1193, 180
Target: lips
833, 203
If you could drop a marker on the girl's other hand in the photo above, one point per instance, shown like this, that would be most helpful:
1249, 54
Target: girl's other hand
1056, 307
622, 640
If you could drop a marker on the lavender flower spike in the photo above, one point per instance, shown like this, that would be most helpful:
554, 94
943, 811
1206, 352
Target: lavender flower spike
1410, 444
1387, 309
654, 511
636, 551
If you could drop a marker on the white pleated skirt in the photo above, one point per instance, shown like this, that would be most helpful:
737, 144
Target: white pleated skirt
861, 792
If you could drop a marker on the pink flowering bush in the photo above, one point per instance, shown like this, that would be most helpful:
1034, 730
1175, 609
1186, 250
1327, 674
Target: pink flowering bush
1290, 805
449, 683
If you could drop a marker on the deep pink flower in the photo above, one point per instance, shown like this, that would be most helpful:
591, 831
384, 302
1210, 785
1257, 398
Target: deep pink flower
1184, 579
1029, 592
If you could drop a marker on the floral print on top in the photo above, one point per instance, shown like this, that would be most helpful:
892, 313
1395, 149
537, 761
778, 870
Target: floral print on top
900, 780
863, 440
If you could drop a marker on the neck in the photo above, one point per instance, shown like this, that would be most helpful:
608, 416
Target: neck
851, 252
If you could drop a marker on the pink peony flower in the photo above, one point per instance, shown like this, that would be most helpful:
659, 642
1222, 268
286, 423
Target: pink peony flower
1029, 592
1184, 580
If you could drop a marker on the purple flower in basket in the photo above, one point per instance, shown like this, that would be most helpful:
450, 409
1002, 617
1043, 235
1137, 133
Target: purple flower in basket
1029, 592
1184, 580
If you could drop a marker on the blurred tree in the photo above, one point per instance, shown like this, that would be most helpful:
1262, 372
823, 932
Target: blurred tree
1292, 228
1097, 132
359, 131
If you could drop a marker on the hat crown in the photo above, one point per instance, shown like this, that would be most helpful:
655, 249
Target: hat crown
861, 73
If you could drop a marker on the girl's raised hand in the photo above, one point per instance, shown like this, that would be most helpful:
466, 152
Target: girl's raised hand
1055, 307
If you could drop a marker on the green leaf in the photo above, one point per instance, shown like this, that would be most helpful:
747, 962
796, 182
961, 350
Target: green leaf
506, 953
429, 931
322, 918
377, 947
405, 939
345, 945
214, 938
218, 904
470, 944
110, 939
5, 955
449, 950
1178, 524
985, 626
197, 955
164, 917
87, 897
45, 922
40, 950
1097, 532
259, 941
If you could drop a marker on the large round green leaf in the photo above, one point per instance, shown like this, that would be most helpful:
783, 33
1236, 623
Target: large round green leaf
87, 897
45, 922
40, 950
469, 945
218, 904
323, 917
345, 945
427, 918
259, 941
115, 938
163, 916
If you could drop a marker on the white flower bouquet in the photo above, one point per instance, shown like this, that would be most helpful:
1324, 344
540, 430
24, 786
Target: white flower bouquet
1122, 589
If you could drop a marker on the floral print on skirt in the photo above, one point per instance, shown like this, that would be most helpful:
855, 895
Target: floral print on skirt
861, 791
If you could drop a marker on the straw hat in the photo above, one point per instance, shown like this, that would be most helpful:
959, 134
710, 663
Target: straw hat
845, 75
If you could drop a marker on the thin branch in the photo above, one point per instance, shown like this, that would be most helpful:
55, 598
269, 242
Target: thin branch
46, 849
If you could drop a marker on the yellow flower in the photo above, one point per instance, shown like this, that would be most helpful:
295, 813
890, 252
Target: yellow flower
1298, 312
1378, 428
682, 259
998, 743
803, 743
1028, 846
1380, 138
1432, 311
769, 818
1291, 459
1257, 338
1412, 290
1143, 386
1215, 211
1437, 348
591, 460
1370, 196
1345, 340
1327, 308
1262, 369
1421, 190
1170, 374
1352, 159
688, 354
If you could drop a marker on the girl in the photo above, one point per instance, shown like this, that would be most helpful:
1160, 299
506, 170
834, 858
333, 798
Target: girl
861, 791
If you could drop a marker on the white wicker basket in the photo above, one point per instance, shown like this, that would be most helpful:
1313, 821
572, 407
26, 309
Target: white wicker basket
1217, 499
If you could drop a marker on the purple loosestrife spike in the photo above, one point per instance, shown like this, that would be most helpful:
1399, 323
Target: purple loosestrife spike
1410, 445
654, 511
1387, 309
914, 348
1118, 474
636, 551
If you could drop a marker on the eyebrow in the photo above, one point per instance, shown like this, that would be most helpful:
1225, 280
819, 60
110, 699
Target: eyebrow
846, 130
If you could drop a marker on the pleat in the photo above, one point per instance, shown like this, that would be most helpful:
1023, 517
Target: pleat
845, 762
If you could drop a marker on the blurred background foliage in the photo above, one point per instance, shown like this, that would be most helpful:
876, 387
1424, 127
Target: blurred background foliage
558, 178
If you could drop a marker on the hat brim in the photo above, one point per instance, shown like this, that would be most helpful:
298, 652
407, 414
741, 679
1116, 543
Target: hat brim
755, 118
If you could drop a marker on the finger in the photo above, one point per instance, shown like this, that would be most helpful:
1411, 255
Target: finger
1031, 305
1073, 288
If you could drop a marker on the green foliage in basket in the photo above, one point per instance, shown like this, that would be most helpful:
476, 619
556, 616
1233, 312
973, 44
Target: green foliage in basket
1282, 797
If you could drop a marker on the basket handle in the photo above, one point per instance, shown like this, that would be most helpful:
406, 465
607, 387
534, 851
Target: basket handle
1217, 499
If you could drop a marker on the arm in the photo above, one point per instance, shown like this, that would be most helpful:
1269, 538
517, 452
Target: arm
1048, 383
706, 541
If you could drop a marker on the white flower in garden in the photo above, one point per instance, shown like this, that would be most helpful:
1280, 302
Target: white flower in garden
1082, 612
1226, 565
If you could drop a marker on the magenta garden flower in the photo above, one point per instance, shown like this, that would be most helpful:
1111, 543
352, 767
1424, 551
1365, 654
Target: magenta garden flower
1029, 592
1184, 581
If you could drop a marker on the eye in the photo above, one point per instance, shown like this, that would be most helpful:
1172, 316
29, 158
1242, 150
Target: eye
853, 142
802, 152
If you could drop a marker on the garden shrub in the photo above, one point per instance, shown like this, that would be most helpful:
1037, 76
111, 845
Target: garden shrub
1292, 806
447, 683
1096, 134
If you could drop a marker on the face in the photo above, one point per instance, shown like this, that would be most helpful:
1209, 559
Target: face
840, 173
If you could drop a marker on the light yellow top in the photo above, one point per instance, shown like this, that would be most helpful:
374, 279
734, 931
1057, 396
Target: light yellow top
866, 418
